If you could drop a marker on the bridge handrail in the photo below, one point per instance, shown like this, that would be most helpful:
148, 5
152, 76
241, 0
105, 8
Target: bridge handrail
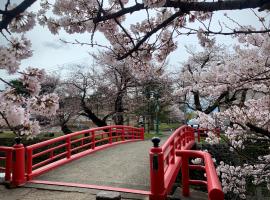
164, 165
213, 184
7, 158
182, 138
74, 142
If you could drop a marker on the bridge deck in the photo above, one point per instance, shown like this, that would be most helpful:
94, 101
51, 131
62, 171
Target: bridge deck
125, 166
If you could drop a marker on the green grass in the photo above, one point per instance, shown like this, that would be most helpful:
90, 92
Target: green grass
7, 134
148, 136
167, 127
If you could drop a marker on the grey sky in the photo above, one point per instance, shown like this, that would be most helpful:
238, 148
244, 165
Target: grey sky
50, 53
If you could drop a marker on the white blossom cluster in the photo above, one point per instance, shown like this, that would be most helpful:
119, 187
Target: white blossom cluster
204, 40
17, 109
45, 105
11, 55
261, 172
236, 135
168, 46
32, 78
23, 22
233, 178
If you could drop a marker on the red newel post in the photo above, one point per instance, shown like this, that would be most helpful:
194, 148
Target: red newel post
18, 176
157, 172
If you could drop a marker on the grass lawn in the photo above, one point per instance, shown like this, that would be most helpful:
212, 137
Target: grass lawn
7, 134
148, 136
167, 127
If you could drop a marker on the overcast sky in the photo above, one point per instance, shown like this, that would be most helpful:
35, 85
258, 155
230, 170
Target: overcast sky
51, 54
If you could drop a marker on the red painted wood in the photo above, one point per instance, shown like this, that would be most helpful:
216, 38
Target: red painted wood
71, 153
185, 176
98, 187
63, 161
162, 180
18, 165
212, 181
7, 168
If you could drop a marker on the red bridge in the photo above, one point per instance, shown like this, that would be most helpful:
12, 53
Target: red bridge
46, 162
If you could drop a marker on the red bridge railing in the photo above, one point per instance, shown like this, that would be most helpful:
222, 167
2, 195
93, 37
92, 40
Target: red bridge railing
212, 181
165, 161
6, 161
47, 155
165, 164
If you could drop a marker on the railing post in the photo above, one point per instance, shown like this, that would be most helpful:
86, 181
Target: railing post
93, 140
110, 135
18, 168
179, 144
184, 139
173, 152
142, 133
29, 164
8, 165
123, 134
157, 186
68, 141
185, 175
132, 133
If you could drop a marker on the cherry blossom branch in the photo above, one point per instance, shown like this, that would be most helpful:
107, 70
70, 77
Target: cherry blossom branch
149, 34
226, 33
7, 4
258, 129
9, 15
4, 81
8, 124
187, 7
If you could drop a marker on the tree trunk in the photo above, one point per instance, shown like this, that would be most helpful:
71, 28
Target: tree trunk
65, 129
152, 122
118, 107
92, 116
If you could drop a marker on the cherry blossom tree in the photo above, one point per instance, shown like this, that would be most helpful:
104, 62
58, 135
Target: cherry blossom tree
69, 107
19, 108
153, 95
237, 82
119, 79
153, 37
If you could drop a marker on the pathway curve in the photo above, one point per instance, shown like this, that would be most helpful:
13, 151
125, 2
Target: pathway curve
124, 165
